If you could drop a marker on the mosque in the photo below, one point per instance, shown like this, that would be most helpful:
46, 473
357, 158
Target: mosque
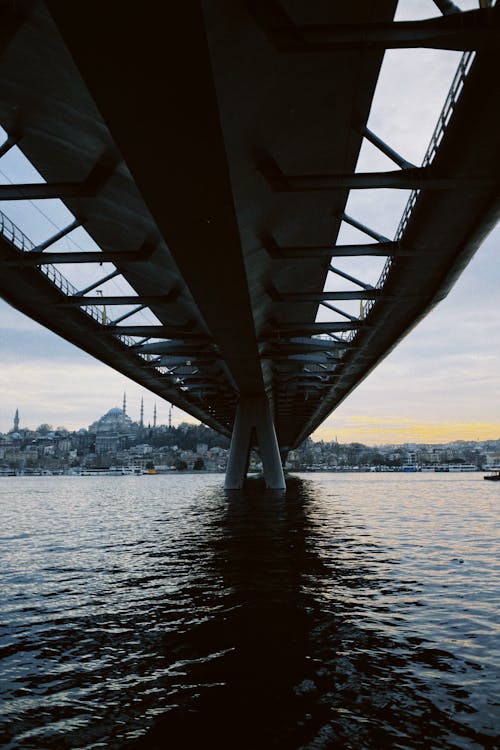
115, 420
115, 428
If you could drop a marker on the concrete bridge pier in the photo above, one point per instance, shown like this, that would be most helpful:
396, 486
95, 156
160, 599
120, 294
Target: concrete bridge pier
254, 419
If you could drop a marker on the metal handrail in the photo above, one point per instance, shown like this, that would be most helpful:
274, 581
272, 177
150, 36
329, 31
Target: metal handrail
16, 237
452, 98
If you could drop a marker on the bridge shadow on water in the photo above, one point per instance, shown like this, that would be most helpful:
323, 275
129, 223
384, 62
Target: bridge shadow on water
281, 661
246, 662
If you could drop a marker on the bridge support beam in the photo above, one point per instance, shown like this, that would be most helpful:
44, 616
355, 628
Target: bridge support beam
254, 418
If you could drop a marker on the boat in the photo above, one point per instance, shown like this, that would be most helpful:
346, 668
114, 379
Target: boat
410, 467
113, 471
495, 477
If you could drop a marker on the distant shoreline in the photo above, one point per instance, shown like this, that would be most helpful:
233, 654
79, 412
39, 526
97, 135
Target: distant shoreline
205, 472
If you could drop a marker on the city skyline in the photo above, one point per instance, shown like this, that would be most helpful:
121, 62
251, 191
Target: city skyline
143, 426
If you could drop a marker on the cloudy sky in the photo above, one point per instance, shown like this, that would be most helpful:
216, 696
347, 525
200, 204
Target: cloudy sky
441, 383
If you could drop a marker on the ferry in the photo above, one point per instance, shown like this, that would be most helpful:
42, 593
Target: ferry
495, 477
410, 467
113, 471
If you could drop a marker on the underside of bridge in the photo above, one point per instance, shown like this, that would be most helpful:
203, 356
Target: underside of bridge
209, 149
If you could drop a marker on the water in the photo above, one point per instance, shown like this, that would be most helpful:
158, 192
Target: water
359, 611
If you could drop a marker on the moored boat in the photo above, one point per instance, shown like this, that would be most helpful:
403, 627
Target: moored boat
495, 477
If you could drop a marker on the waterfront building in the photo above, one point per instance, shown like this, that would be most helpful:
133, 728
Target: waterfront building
113, 430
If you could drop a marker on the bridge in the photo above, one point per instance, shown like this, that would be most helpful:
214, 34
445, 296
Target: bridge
209, 152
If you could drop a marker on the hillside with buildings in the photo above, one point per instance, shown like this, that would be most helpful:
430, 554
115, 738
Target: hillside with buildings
116, 441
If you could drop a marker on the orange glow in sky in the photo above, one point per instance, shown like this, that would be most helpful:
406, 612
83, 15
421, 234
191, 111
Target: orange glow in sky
376, 431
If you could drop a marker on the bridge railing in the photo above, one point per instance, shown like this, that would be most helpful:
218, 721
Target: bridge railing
439, 131
452, 98
16, 237
13, 234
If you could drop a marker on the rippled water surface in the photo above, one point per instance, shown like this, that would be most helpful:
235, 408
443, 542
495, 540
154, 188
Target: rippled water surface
356, 611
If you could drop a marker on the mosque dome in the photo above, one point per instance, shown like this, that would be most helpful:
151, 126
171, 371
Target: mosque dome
115, 420
116, 412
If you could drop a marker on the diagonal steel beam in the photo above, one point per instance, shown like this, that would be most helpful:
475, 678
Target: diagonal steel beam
348, 277
58, 236
290, 347
418, 178
306, 343
447, 7
81, 301
455, 30
385, 148
365, 229
339, 311
305, 329
127, 315
304, 375
317, 358
289, 297
35, 191
382, 249
337, 338
151, 331
34, 258
181, 359
97, 283
175, 345
45, 259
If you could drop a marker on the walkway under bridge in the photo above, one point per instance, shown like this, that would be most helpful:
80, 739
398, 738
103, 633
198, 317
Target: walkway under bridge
209, 152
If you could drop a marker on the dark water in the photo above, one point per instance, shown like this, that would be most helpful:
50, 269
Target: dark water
357, 611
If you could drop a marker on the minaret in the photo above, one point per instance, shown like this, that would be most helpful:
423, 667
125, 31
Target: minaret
16, 421
124, 403
141, 421
154, 417
170, 417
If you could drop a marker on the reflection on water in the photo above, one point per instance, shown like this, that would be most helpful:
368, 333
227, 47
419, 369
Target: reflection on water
352, 612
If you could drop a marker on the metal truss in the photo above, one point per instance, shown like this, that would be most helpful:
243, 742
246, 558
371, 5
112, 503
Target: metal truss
300, 391
189, 367
454, 30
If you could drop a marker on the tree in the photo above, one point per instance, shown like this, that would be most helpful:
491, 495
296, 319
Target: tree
180, 465
44, 428
199, 464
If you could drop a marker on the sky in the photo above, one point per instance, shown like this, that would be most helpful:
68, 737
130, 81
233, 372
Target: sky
441, 383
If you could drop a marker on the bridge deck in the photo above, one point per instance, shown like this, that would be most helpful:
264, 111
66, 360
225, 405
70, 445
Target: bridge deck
211, 159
